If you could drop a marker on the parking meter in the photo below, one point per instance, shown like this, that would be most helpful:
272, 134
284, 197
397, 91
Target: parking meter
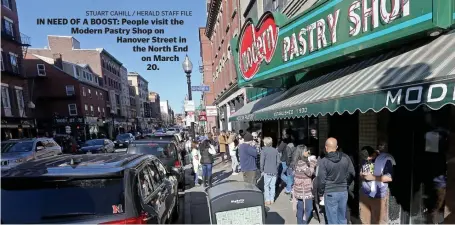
236, 202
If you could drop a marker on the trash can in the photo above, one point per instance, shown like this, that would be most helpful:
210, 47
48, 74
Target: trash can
236, 202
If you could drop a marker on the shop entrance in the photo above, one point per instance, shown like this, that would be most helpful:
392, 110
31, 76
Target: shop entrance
345, 128
418, 141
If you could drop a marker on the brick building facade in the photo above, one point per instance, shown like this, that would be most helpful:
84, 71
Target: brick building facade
59, 92
16, 115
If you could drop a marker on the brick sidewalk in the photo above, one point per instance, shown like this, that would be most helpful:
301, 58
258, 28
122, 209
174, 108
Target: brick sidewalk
197, 212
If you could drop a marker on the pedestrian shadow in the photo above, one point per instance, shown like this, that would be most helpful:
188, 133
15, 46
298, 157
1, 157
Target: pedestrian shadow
274, 218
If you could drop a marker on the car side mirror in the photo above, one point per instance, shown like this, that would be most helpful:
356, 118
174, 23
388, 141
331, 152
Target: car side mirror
39, 148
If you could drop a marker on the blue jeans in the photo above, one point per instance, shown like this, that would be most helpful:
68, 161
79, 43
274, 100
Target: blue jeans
207, 170
335, 207
269, 187
286, 178
304, 210
196, 179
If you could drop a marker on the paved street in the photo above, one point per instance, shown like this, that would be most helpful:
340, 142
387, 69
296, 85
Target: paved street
196, 209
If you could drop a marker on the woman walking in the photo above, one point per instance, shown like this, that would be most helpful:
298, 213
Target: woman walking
303, 168
196, 158
233, 147
207, 151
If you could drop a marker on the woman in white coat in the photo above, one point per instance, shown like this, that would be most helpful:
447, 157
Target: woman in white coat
196, 158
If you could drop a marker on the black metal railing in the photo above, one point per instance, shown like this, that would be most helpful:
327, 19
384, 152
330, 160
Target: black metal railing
20, 38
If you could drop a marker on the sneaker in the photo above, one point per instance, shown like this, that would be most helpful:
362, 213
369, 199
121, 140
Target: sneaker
234, 173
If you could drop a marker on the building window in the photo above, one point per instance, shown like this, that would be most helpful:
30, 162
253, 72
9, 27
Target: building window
89, 92
99, 110
7, 3
13, 60
8, 26
78, 72
96, 93
20, 101
3, 64
69, 90
72, 109
41, 69
83, 91
91, 110
86, 107
6, 100
101, 96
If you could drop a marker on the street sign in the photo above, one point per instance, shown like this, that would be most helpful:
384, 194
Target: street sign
68, 129
202, 88
189, 106
211, 111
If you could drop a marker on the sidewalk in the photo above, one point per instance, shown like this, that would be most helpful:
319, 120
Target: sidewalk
197, 212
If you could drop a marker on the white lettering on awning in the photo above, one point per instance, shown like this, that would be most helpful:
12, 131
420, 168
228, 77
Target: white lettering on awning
430, 92
419, 96
393, 99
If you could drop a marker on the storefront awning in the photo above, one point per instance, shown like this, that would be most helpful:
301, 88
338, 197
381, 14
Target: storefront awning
422, 76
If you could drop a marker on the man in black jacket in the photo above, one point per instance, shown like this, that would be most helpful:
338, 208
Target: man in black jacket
336, 172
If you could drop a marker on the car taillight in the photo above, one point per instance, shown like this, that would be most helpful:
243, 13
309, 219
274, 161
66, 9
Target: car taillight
133, 220
177, 164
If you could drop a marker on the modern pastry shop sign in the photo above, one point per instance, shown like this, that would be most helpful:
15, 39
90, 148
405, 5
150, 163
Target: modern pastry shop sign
272, 45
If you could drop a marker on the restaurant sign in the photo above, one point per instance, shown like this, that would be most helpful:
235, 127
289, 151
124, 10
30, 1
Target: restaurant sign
273, 46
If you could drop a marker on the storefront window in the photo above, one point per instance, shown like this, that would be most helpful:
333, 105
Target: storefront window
303, 131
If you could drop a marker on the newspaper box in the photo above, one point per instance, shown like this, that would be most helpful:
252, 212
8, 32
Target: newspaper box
236, 202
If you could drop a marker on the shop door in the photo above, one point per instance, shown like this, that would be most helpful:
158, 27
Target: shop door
345, 128
420, 162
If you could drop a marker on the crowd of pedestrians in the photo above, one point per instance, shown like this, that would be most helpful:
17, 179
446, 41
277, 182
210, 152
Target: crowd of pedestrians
314, 184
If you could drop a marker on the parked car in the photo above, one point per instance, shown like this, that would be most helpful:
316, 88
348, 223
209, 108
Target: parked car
97, 146
165, 150
123, 140
90, 189
17, 151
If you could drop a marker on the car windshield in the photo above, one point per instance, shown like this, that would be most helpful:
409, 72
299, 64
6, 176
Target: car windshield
19, 146
47, 200
123, 136
94, 142
160, 150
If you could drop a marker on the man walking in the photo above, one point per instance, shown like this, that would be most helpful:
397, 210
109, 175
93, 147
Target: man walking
336, 172
248, 155
269, 163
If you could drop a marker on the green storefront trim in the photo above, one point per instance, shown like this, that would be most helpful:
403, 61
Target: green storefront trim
424, 16
376, 101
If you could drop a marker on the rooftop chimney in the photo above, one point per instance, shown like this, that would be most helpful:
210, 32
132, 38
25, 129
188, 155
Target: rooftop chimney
58, 60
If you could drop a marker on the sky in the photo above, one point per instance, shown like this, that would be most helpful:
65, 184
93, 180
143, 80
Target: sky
169, 81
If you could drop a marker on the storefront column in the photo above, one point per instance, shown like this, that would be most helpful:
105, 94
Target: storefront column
323, 129
368, 126
449, 211
228, 114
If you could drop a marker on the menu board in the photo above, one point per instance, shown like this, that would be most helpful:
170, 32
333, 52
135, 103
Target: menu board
245, 216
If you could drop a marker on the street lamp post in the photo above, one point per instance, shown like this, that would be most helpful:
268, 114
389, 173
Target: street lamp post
188, 68
113, 123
